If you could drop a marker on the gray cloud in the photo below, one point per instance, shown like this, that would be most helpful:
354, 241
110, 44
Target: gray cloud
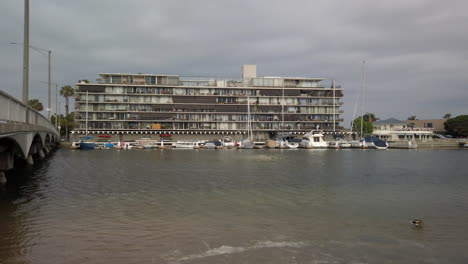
416, 51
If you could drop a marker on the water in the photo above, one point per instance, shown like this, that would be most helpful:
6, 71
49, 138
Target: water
237, 206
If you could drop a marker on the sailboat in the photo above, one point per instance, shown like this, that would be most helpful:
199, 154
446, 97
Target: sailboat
368, 142
338, 141
285, 141
85, 143
247, 143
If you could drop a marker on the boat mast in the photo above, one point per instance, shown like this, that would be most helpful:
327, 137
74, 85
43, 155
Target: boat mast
362, 98
86, 123
248, 115
354, 113
334, 107
282, 110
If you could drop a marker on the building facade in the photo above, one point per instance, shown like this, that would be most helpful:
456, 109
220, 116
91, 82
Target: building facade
172, 104
393, 130
437, 125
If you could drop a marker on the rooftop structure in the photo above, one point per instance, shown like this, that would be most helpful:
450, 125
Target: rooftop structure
160, 103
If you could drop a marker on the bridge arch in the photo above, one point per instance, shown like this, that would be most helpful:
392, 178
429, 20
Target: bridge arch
12, 146
23, 132
37, 144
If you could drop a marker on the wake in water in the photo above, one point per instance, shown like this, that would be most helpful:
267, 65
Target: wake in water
223, 250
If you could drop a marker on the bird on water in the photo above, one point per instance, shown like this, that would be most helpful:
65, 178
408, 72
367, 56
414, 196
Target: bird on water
417, 223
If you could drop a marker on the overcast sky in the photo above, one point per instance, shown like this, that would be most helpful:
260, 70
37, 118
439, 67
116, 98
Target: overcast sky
416, 51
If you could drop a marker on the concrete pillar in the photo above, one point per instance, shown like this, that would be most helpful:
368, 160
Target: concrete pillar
6, 161
3, 179
30, 160
41, 153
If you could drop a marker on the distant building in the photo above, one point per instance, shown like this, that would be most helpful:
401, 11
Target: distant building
436, 124
171, 104
393, 129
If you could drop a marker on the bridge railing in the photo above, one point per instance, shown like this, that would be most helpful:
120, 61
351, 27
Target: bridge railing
14, 111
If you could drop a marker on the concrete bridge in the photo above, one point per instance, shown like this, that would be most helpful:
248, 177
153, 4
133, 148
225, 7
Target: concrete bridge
25, 135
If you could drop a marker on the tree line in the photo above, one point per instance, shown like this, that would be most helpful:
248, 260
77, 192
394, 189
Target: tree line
457, 126
67, 121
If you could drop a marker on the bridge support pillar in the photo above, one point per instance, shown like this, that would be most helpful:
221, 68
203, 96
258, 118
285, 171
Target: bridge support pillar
6, 161
3, 179
30, 160
41, 153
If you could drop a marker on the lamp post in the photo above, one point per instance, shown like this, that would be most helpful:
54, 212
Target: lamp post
47, 53
26, 54
56, 99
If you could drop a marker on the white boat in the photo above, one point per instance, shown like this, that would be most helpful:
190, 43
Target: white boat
188, 144
149, 146
228, 142
209, 145
287, 142
344, 144
292, 145
339, 144
356, 144
313, 139
75, 145
246, 144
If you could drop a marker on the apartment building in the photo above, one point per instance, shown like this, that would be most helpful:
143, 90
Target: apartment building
172, 104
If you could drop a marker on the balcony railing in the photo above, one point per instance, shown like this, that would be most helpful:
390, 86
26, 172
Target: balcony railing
226, 82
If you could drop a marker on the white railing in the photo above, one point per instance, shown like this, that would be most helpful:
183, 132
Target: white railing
14, 111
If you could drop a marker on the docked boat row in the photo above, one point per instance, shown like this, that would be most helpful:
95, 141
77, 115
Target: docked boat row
312, 140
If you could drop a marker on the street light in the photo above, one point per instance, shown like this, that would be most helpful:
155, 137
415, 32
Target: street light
56, 101
48, 54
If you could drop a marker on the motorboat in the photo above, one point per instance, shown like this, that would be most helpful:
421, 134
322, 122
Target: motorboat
344, 144
292, 142
209, 145
228, 142
215, 144
313, 139
149, 146
188, 144
75, 145
339, 144
246, 144
87, 144
356, 144
108, 145
128, 145
280, 143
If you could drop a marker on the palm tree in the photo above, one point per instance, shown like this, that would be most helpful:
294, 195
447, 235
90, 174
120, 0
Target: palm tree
36, 105
66, 92
447, 116
412, 118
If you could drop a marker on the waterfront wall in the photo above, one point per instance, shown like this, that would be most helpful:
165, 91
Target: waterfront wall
441, 143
